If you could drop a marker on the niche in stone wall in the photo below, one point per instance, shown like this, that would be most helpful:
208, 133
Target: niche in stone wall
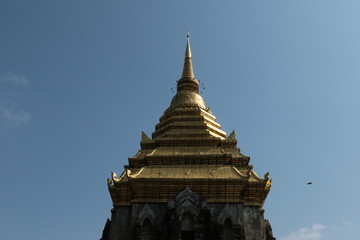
228, 230
146, 230
187, 227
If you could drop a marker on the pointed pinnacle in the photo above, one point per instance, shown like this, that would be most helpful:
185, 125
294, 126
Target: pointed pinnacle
145, 138
188, 50
232, 136
188, 69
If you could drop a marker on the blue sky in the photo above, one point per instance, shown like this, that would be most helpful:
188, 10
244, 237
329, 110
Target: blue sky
80, 80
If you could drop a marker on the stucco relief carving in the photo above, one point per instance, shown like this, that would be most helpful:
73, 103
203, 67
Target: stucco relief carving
148, 213
227, 212
187, 201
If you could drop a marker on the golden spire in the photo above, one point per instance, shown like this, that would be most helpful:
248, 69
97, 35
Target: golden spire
188, 69
188, 81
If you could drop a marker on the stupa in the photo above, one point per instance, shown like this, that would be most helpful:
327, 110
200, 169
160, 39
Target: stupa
189, 180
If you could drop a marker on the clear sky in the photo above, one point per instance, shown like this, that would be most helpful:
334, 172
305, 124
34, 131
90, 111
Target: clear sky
80, 80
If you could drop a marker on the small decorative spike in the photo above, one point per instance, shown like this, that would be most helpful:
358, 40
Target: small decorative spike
144, 138
232, 136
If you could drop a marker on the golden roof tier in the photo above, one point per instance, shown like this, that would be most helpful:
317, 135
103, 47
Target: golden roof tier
189, 149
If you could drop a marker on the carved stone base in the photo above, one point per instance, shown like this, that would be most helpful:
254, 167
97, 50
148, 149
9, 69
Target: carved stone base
188, 216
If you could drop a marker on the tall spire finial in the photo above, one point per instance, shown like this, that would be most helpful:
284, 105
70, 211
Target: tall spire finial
188, 81
188, 69
188, 50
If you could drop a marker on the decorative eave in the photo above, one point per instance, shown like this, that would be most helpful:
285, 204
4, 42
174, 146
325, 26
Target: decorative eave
243, 186
194, 171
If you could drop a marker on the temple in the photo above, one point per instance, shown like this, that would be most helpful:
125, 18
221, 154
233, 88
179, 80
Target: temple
189, 180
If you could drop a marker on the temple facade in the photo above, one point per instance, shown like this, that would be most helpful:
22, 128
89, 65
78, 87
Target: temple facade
189, 180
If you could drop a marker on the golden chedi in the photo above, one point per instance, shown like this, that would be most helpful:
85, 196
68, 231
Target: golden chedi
189, 180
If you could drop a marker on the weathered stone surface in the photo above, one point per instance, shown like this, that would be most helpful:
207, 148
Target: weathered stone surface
191, 215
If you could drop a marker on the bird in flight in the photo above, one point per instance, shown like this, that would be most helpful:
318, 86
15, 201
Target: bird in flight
309, 183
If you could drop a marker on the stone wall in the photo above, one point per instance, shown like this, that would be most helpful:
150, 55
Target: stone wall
189, 217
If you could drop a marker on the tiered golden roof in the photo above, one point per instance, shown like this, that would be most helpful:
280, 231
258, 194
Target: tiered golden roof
188, 148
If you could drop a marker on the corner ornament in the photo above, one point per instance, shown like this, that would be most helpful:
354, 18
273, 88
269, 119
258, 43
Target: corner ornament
267, 176
109, 181
114, 177
268, 184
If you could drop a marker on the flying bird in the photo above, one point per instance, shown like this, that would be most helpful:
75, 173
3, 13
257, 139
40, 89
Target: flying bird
309, 183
